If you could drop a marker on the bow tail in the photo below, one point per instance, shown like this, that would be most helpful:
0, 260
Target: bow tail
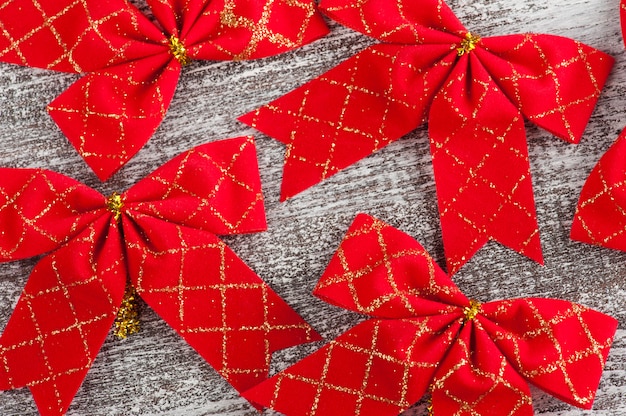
212, 299
559, 346
377, 368
350, 112
476, 379
481, 168
62, 318
109, 115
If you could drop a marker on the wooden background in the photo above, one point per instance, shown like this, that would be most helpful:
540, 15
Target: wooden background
157, 373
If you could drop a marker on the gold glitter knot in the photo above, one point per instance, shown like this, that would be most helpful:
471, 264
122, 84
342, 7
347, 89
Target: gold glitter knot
179, 51
468, 44
115, 205
472, 310
127, 320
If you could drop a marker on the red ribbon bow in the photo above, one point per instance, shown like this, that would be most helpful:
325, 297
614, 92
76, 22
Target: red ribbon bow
474, 92
425, 334
601, 212
134, 63
158, 238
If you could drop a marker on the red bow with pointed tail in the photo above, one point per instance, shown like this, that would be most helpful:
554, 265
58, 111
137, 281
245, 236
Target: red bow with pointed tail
157, 240
133, 63
424, 334
474, 92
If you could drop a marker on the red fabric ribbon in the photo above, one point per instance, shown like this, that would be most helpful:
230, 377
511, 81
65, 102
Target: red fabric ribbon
424, 334
159, 237
474, 92
622, 15
133, 63
601, 212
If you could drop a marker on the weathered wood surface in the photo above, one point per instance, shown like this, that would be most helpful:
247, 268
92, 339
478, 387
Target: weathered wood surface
157, 373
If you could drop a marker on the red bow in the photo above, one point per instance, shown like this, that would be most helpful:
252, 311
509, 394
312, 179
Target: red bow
157, 239
474, 92
134, 63
425, 334
601, 213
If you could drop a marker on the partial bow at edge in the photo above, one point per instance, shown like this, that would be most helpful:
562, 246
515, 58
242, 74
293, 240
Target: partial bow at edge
426, 336
600, 217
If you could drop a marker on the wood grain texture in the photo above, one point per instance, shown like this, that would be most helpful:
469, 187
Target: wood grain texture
157, 373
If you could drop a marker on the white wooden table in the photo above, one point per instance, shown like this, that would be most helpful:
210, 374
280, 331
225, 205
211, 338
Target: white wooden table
157, 373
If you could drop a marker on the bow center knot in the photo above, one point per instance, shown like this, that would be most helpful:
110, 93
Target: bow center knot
115, 205
179, 51
472, 310
468, 44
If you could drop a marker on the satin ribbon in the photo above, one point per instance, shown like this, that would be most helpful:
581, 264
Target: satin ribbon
600, 217
133, 63
159, 237
474, 92
424, 335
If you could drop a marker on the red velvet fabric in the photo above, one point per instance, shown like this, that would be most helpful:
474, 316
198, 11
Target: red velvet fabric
600, 217
132, 72
163, 241
474, 95
424, 335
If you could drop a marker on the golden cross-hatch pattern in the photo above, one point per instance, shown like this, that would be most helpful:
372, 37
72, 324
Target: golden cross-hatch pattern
401, 360
348, 108
200, 268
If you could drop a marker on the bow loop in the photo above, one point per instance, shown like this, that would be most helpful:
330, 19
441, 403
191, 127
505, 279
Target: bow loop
40, 210
559, 346
214, 187
67, 36
601, 212
403, 21
63, 316
241, 29
555, 81
382, 272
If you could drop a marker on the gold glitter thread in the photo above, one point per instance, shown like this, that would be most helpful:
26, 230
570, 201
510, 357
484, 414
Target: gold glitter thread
468, 44
179, 51
115, 205
127, 320
429, 408
472, 310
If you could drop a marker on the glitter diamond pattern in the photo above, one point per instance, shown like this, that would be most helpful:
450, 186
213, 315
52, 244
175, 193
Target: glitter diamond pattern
42, 210
601, 212
113, 111
165, 248
387, 90
479, 365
